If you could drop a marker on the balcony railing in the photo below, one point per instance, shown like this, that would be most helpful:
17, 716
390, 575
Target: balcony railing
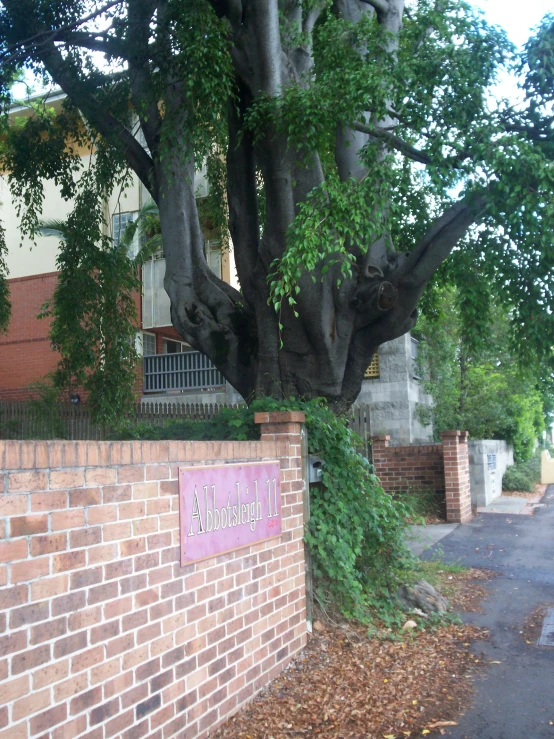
184, 371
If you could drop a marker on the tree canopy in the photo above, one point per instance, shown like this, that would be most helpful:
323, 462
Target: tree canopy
352, 147
476, 382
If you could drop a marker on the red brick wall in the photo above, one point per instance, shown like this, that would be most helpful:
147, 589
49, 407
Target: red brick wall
25, 352
443, 468
402, 468
102, 632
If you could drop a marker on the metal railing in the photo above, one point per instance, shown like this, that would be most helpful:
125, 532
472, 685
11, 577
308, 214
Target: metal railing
26, 420
183, 371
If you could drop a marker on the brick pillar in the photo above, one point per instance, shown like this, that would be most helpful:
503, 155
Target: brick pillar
281, 425
456, 476
379, 458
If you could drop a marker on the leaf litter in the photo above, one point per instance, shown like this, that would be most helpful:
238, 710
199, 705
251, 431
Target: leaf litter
348, 685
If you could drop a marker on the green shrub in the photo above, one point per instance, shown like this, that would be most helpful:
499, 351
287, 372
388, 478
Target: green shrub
522, 477
229, 423
423, 503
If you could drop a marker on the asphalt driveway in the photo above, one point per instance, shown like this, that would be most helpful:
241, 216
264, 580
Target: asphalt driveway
515, 698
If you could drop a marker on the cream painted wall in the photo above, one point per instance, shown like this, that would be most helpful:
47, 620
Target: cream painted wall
25, 258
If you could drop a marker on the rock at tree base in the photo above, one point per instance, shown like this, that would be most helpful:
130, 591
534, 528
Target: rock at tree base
424, 596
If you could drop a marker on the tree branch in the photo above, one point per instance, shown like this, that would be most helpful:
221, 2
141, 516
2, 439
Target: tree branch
380, 6
242, 197
101, 119
230, 9
50, 34
395, 141
93, 41
535, 133
349, 142
417, 155
142, 88
439, 241
263, 18
311, 16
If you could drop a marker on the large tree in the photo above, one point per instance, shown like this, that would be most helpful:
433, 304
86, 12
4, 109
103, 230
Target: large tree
353, 145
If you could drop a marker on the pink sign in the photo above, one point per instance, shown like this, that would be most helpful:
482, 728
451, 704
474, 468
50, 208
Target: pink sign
226, 507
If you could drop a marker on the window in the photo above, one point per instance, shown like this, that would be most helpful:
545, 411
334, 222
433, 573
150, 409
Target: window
120, 221
201, 186
174, 347
213, 256
156, 308
373, 370
141, 138
148, 344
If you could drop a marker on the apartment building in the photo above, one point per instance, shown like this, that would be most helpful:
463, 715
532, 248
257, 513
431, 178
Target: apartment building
169, 366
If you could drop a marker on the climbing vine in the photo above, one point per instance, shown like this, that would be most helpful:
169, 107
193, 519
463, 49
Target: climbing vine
356, 530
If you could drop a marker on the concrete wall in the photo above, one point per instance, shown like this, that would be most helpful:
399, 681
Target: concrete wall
228, 394
102, 632
394, 396
547, 468
488, 460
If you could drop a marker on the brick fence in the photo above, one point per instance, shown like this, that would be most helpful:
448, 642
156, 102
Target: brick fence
102, 632
442, 467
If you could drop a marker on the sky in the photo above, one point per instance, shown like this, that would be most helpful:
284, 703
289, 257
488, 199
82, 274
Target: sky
516, 17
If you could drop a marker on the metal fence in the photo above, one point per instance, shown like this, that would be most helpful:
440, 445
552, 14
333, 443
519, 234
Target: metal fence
182, 371
28, 420
360, 422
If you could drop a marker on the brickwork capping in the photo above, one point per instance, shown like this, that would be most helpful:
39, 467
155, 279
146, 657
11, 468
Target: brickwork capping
381, 437
460, 435
280, 417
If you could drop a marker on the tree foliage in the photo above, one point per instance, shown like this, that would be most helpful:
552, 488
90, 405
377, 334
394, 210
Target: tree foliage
96, 334
475, 380
352, 148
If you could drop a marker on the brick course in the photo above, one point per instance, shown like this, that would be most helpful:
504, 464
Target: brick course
106, 634
442, 467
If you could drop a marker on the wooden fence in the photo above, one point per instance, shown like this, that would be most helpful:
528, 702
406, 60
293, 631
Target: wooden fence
28, 420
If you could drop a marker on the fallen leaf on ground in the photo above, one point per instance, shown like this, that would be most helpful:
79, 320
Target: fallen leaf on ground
345, 685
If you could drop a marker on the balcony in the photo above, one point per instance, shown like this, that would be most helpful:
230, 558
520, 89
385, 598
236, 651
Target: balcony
179, 372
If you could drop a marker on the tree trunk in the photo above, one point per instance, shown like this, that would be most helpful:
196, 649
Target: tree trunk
322, 347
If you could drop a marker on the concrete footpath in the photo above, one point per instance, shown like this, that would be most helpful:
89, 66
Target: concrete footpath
514, 695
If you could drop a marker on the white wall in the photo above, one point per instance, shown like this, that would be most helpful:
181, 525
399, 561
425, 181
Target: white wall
24, 258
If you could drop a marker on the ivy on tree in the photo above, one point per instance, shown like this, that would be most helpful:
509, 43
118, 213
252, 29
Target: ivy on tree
361, 148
